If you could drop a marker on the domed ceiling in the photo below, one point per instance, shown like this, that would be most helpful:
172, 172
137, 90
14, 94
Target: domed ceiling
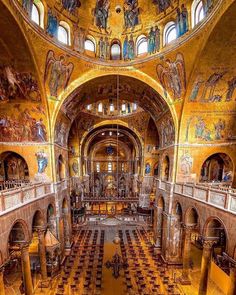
114, 17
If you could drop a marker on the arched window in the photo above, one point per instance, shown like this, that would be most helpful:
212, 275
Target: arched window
100, 108
197, 12
63, 34
142, 45
89, 45
37, 13
170, 33
109, 167
115, 51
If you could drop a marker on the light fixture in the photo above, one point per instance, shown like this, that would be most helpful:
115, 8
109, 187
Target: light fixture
110, 133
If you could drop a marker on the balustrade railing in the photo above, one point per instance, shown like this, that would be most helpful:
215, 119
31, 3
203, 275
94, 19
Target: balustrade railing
18, 196
214, 194
12, 184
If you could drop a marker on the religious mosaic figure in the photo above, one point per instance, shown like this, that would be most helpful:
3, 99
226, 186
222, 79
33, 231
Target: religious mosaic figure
151, 41
162, 5
79, 39
107, 48
71, 5
195, 89
75, 167
42, 160
200, 128
40, 130
18, 85
210, 85
157, 39
147, 168
101, 13
184, 19
208, 5
231, 88
58, 71
173, 77
27, 5
102, 48
219, 127
186, 163
53, 24
131, 13
125, 48
131, 48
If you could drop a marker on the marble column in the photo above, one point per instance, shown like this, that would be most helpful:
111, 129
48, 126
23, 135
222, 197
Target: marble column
232, 287
66, 222
184, 279
42, 254
26, 271
205, 265
159, 225
2, 287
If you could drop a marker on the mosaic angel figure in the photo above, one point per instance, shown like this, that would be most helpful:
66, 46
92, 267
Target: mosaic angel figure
172, 76
58, 71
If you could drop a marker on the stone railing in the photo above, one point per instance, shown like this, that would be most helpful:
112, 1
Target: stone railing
13, 184
214, 195
14, 198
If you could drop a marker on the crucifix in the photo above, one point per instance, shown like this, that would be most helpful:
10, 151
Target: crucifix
117, 264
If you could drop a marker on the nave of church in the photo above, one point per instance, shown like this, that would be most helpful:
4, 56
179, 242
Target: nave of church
117, 147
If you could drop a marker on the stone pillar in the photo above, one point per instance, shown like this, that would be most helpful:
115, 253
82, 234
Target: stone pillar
66, 222
2, 287
232, 287
184, 279
26, 271
42, 254
205, 265
159, 227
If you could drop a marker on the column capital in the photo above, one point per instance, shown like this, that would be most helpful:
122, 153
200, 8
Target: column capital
189, 227
40, 229
209, 242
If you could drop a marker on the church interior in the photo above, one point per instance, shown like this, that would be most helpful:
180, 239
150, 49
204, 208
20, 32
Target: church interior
117, 147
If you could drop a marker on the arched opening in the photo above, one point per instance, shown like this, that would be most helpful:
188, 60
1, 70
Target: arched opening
35, 248
19, 259
166, 169
215, 230
217, 168
13, 167
37, 13
169, 33
63, 33
115, 50
90, 45
51, 219
197, 12
156, 169
141, 45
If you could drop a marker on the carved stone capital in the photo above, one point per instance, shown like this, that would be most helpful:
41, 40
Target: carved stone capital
208, 243
189, 227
